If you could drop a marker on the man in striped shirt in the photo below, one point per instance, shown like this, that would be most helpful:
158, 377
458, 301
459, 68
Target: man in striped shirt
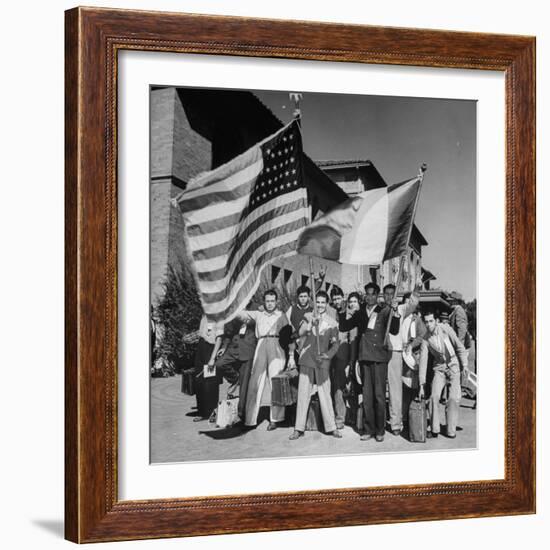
295, 314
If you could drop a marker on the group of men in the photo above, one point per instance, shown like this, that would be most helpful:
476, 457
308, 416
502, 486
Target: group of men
371, 344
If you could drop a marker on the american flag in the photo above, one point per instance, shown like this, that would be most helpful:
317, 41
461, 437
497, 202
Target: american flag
241, 216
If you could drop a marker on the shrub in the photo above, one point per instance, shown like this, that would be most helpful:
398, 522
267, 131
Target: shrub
179, 313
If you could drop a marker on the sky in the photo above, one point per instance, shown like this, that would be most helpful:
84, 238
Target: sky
398, 134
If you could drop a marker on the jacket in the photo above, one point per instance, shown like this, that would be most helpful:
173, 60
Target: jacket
328, 340
459, 322
371, 331
445, 348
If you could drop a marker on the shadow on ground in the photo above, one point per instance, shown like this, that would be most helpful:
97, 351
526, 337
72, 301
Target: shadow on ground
224, 433
53, 526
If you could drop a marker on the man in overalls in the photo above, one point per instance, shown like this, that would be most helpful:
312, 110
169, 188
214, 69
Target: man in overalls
269, 360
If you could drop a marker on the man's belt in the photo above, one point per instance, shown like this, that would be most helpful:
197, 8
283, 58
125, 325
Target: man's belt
269, 336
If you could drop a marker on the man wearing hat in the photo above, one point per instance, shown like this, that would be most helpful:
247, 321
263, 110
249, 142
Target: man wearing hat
458, 318
444, 318
371, 321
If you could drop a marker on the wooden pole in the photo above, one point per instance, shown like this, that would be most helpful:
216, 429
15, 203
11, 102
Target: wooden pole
297, 114
421, 173
314, 296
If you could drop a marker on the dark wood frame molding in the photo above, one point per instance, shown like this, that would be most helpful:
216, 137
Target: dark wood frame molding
93, 511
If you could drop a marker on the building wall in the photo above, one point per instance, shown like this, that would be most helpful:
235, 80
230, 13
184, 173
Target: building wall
162, 131
192, 151
171, 169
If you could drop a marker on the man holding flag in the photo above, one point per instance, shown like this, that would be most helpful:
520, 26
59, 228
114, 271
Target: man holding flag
371, 321
369, 229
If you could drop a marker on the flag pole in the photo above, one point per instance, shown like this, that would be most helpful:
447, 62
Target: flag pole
297, 114
421, 173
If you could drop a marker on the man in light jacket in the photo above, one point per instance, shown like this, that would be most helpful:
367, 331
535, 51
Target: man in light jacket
449, 358
315, 366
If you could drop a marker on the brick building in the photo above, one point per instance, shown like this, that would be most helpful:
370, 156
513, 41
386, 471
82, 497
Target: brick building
195, 130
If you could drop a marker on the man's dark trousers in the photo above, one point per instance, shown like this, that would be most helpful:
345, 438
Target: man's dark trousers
374, 396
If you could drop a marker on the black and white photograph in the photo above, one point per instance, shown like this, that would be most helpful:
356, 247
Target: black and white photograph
313, 274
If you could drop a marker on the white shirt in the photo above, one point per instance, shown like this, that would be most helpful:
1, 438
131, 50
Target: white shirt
267, 323
398, 341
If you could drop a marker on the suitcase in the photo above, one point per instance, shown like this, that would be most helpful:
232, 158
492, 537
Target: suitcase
188, 382
314, 421
208, 393
284, 389
418, 421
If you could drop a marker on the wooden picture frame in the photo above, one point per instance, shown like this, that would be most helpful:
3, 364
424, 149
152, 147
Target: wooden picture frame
93, 511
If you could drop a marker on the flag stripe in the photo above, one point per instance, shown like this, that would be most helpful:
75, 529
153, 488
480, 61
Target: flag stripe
402, 198
219, 196
225, 229
248, 170
228, 305
366, 242
216, 211
217, 256
218, 225
220, 280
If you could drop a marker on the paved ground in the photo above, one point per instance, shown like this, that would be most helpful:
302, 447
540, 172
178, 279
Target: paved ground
176, 438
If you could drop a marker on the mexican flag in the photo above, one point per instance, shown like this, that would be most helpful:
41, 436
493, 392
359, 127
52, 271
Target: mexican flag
367, 229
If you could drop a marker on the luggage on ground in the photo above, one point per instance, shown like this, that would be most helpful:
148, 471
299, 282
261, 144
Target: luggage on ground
418, 421
188, 382
208, 393
284, 389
